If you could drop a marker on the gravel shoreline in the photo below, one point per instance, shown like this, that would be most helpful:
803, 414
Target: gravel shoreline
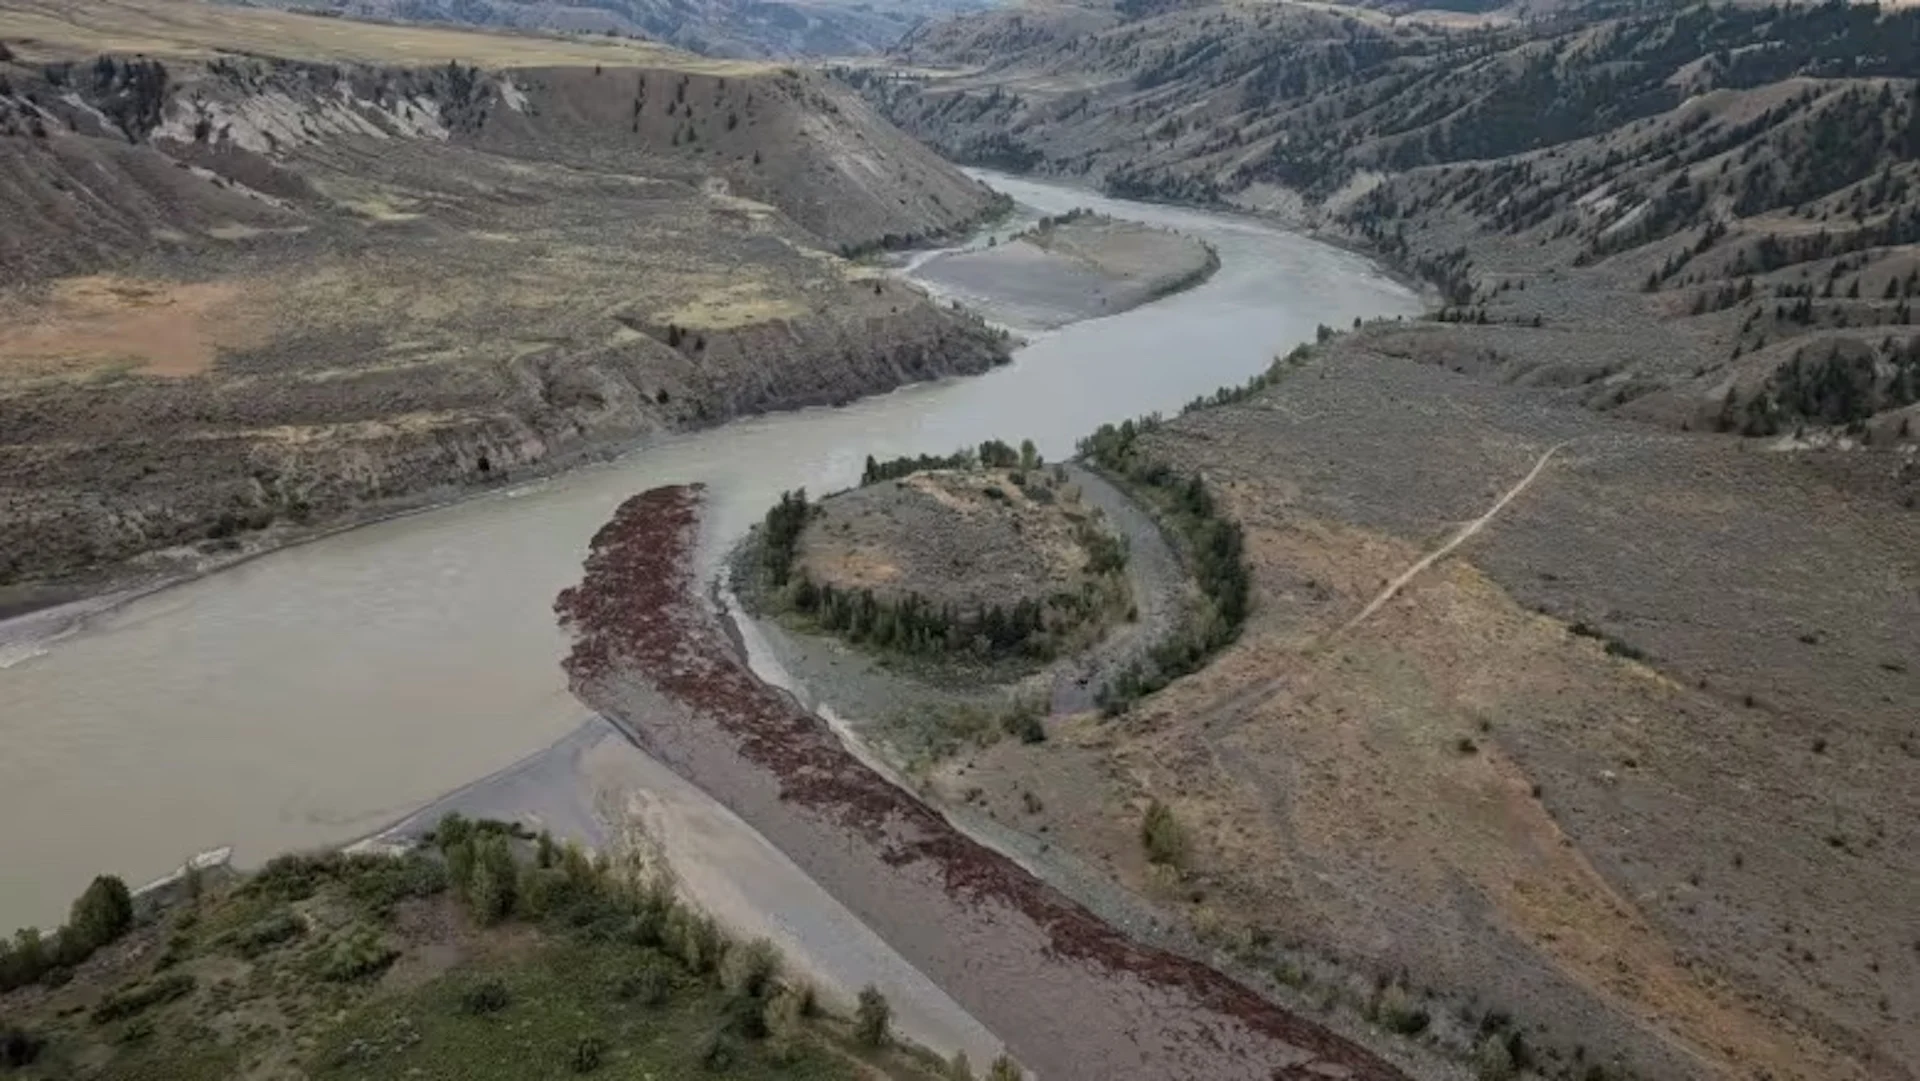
1072, 996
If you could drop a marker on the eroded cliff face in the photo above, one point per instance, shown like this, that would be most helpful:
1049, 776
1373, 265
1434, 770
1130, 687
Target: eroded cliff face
253, 291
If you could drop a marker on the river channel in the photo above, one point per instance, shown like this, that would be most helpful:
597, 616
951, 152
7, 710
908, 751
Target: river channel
321, 692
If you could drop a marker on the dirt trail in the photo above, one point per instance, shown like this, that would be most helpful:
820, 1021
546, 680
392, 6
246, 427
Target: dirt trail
1249, 698
1459, 538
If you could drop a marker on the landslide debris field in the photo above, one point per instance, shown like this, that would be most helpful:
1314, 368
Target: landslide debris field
275, 269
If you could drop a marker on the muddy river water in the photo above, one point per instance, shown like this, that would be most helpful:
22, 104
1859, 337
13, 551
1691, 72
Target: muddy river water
326, 690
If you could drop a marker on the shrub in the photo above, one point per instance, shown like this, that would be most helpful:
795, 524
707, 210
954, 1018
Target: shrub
1616, 648
1163, 836
100, 915
359, 955
142, 996
1005, 1069
264, 934
750, 969
587, 1054
745, 1016
785, 1022
490, 893
719, 1051
871, 1017
380, 882
25, 961
18, 1047
649, 985
541, 891
958, 1068
486, 997
1397, 1012
292, 877
1025, 723
1493, 1061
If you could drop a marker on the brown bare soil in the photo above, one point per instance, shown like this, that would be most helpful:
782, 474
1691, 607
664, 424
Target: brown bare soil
941, 535
1072, 997
156, 328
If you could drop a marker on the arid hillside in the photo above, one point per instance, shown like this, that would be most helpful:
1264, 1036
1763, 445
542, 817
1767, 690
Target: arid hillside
278, 269
1741, 180
1571, 730
742, 28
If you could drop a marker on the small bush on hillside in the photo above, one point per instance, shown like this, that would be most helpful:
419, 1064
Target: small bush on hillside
1162, 835
1005, 1069
587, 1054
1493, 1061
18, 1047
1025, 723
264, 934
489, 996
719, 1051
750, 969
491, 890
786, 1025
100, 915
649, 985
871, 1018
142, 996
359, 955
1396, 1011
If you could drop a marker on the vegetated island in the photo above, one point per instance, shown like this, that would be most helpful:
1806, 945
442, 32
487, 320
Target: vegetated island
977, 562
1074, 266
486, 952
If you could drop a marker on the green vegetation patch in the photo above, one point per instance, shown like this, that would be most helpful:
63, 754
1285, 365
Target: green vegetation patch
1211, 543
491, 953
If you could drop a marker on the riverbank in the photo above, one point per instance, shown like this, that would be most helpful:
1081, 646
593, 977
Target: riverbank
1072, 997
489, 951
596, 787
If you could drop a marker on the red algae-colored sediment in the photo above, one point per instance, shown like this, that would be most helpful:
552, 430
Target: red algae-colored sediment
1071, 996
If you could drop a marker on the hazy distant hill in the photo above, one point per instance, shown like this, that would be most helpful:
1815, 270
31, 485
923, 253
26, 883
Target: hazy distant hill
1753, 170
738, 28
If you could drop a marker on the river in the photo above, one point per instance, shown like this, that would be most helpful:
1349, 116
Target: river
321, 692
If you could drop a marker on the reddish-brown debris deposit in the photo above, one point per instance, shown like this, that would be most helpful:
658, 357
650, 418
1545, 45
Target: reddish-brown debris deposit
1071, 996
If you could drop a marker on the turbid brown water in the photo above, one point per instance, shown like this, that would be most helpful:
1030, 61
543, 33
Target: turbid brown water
321, 692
